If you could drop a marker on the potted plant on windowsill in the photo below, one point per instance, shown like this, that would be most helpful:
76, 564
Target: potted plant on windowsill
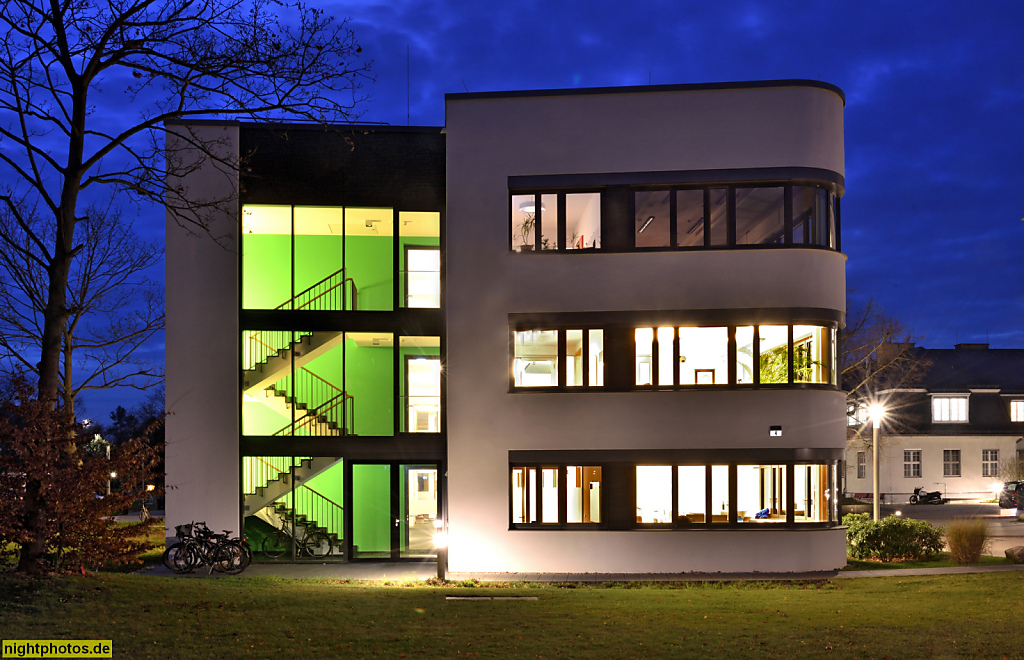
525, 232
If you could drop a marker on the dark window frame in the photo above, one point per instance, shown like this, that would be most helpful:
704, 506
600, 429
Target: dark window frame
563, 497
538, 193
563, 366
814, 224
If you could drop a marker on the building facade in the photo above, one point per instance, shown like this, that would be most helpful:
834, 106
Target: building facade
585, 330
954, 432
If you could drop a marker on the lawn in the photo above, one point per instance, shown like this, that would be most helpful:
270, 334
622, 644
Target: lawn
959, 616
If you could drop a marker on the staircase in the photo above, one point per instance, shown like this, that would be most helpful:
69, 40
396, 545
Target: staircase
272, 495
270, 356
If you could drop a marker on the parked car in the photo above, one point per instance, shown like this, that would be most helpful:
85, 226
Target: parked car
1012, 495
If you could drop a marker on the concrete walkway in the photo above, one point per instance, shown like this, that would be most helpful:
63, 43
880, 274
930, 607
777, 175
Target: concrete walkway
420, 571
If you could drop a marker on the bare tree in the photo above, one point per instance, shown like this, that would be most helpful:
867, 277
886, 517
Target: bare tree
876, 356
113, 307
62, 140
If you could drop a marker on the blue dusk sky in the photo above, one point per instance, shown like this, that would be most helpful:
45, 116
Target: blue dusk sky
932, 216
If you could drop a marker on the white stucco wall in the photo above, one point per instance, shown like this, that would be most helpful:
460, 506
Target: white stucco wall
897, 488
490, 139
202, 385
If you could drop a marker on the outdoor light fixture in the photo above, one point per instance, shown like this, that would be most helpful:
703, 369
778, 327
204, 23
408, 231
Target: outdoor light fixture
775, 431
876, 411
899, 513
644, 226
113, 475
441, 543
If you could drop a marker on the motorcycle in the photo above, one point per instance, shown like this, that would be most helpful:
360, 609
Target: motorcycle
921, 496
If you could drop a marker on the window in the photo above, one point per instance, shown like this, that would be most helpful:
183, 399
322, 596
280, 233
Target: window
990, 462
539, 502
536, 361
856, 414
536, 358
583, 500
774, 354
555, 221
949, 408
951, 462
911, 463
703, 356
692, 499
701, 217
862, 465
1017, 410
654, 494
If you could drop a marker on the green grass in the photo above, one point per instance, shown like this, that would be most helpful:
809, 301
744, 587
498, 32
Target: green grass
941, 560
963, 616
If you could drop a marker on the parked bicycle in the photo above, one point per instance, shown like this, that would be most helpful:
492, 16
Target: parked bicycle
199, 546
313, 544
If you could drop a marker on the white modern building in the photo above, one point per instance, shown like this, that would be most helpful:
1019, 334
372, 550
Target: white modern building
588, 330
951, 432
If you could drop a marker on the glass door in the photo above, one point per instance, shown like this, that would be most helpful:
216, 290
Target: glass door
419, 500
394, 506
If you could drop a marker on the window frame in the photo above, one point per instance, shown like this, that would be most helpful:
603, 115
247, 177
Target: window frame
563, 364
562, 493
620, 494
912, 463
936, 408
560, 219
831, 222
1016, 411
862, 465
989, 462
949, 463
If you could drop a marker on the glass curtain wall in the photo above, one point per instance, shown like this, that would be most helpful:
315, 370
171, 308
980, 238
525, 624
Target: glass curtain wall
293, 507
323, 383
317, 258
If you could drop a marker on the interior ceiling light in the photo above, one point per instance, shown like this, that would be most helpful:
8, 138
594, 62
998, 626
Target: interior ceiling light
530, 207
645, 225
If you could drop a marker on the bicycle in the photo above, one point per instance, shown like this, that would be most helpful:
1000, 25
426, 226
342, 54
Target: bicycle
314, 544
198, 545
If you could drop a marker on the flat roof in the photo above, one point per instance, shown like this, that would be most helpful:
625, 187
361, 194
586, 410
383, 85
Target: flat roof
634, 89
305, 125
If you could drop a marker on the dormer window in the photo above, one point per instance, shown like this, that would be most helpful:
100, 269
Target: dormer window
950, 409
1017, 410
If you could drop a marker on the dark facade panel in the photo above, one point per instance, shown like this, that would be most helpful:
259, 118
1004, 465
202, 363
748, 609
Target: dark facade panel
402, 168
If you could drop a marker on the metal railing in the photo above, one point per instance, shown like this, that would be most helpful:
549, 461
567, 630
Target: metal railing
258, 471
329, 294
261, 345
328, 410
319, 510
421, 414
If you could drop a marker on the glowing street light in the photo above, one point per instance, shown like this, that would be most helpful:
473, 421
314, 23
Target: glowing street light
876, 412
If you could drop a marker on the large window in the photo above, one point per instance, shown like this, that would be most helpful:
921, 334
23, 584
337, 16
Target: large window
709, 216
951, 462
566, 357
537, 494
949, 408
912, 463
672, 496
990, 462
1017, 410
555, 221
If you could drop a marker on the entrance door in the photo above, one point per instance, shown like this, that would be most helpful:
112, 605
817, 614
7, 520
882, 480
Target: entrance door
393, 506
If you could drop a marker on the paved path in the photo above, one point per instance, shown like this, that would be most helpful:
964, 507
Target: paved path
419, 571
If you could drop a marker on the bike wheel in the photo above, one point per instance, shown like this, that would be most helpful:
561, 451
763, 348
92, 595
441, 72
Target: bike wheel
229, 558
179, 558
318, 544
144, 515
276, 544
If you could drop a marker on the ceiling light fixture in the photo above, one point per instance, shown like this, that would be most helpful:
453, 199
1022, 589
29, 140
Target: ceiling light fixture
645, 225
530, 207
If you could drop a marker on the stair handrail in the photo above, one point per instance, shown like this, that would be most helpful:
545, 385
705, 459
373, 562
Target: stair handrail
322, 496
295, 336
290, 303
313, 414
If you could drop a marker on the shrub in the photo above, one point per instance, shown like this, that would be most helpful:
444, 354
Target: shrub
891, 538
967, 539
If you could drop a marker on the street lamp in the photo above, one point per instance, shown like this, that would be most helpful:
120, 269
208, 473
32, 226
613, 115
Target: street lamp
876, 411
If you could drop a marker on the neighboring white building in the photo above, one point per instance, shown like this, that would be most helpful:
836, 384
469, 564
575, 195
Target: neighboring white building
591, 330
949, 433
